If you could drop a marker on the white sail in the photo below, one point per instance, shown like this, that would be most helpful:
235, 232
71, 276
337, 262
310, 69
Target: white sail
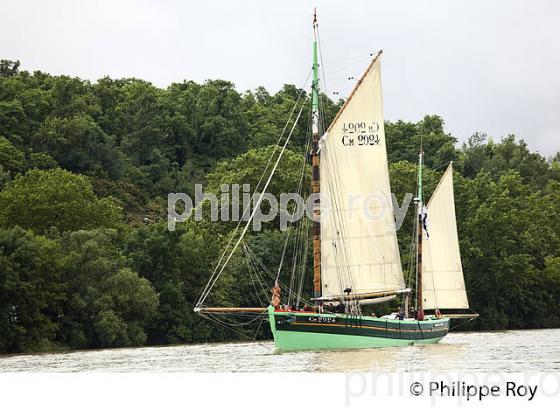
359, 247
443, 284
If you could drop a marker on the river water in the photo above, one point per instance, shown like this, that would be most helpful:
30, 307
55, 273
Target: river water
509, 351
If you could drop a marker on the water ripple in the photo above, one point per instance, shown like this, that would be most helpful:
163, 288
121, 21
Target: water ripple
510, 351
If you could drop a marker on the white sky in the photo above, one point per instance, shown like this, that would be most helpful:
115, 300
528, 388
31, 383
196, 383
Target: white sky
490, 66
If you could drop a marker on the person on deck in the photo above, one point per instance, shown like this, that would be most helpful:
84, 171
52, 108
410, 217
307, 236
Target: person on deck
341, 308
400, 315
275, 301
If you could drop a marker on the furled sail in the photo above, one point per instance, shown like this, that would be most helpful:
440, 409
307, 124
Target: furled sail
359, 249
443, 285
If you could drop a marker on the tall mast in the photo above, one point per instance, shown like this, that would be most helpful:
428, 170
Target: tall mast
419, 298
315, 187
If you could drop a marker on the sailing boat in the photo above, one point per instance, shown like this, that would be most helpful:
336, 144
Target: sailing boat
356, 258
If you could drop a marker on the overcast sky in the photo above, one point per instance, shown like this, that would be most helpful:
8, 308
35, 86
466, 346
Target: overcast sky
488, 66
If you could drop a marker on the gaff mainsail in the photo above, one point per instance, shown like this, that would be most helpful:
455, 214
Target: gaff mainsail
356, 254
359, 249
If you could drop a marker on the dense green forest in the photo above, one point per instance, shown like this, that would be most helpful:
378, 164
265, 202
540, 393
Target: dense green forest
86, 259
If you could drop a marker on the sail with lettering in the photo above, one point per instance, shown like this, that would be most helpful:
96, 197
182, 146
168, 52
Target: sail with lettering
359, 249
356, 261
443, 285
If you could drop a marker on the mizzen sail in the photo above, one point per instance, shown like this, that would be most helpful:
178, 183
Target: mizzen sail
443, 285
359, 249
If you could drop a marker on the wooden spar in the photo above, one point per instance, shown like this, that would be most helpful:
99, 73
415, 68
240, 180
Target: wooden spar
460, 315
315, 184
231, 310
453, 314
419, 297
419, 247
361, 296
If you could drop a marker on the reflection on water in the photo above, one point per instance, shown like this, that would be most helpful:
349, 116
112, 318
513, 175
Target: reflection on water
512, 351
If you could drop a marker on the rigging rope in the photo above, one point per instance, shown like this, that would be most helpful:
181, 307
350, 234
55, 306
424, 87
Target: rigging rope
228, 326
282, 285
218, 264
212, 281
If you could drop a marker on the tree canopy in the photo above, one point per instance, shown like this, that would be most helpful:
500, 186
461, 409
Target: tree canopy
41, 200
85, 169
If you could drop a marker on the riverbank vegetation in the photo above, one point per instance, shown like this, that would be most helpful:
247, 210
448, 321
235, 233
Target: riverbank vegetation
86, 260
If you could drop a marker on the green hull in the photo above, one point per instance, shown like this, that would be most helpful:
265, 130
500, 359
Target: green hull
305, 331
315, 341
